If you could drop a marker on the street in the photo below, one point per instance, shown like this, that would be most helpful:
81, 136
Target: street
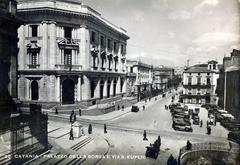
125, 134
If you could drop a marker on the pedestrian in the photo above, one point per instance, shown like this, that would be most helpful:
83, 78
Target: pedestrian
230, 146
71, 116
71, 134
105, 128
208, 130
118, 107
145, 135
143, 107
74, 118
122, 107
188, 145
170, 160
90, 129
215, 121
201, 122
56, 111
207, 123
80, 112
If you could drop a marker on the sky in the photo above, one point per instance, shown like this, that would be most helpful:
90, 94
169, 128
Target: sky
170, 32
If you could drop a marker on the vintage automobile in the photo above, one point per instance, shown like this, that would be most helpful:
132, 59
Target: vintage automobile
182, 125
135, 108
196, 120
153, 150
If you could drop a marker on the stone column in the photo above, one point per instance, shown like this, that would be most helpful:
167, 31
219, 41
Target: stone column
79, 89
85, 47
57, 89
97, 90
86, 93
111, 88
124, 86
52, 45
105, 89
118, 86
44, 48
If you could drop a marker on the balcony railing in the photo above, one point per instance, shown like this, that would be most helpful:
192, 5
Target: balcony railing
131, 74
33, 66
197, 85
68, 67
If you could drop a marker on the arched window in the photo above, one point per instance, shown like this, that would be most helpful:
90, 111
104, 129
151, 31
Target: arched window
34, 90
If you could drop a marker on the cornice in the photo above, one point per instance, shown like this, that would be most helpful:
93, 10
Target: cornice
58, 12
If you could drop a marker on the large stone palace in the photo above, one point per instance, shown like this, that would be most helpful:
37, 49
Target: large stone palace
69, 54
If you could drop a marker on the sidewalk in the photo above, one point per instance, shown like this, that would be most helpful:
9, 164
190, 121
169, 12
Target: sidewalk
112, 115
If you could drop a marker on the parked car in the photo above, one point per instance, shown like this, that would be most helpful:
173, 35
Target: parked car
182, 127
135, 108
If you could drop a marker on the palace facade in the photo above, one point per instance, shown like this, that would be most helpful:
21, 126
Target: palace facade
139, 79
69, 54
200, 82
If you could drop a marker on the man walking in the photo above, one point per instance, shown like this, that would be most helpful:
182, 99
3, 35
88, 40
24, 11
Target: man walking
145, 135
71, 134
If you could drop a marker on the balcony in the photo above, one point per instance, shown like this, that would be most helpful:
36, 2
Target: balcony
202, 86
33, 66
68, 67
129, 74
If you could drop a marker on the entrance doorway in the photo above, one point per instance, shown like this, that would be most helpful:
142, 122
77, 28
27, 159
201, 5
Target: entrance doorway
34, 90
68, 91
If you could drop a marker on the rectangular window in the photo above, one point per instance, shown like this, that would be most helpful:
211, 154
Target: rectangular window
68, 32
102, 41
208, 81
93, 37
109, 44
122, 49
199, 81
131, 69
67, 56
115, 46
34, 29
190, 81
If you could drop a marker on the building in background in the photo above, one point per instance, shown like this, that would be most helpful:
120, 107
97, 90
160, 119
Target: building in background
69, 54
139, 79
162, 79
199, 83
228, 87
8, 53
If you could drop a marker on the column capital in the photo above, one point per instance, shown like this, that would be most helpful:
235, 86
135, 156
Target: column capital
52, 22
83, 26
44, 22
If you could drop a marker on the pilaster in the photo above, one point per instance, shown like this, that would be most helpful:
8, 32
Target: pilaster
57, 89
22, 46
85, 47
52, 45
44, 48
